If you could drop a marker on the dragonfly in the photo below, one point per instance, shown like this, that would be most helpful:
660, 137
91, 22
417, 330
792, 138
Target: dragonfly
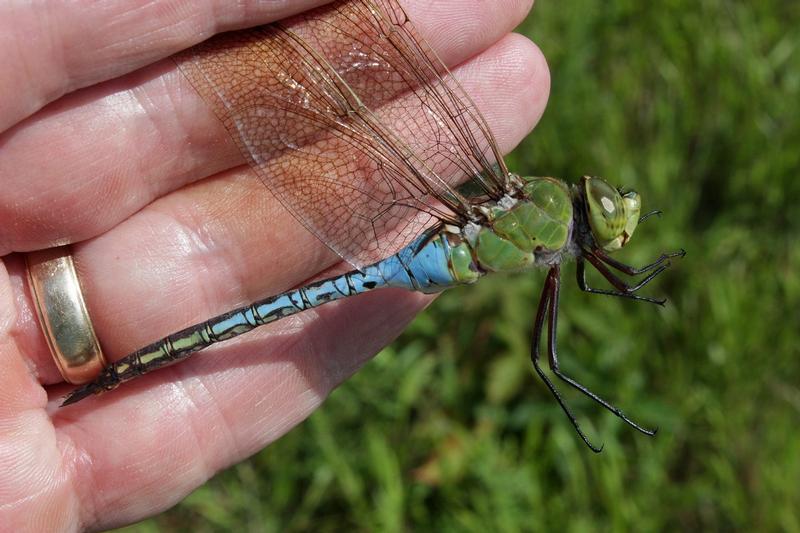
385, 158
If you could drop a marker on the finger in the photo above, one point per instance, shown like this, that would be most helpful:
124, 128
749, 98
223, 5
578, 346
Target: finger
79, 167
77, 47
213, 410
33, 491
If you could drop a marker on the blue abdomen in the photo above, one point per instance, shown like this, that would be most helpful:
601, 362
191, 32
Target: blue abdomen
426, 269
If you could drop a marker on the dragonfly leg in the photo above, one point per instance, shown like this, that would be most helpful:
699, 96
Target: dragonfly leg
623, 289
551, 285
554, 366
633, 271
656, 212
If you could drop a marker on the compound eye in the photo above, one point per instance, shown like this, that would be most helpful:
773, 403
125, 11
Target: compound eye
603, 195
605, 208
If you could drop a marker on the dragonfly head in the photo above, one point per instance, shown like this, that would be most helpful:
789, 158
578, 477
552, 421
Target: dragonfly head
613, 214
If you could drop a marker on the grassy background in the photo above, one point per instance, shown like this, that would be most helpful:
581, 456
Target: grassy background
695, 103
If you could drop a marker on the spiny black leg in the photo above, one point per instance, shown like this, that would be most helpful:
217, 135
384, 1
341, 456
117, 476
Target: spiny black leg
633, 271
656, 212
617, 282
547, 295
624, 290
553, 356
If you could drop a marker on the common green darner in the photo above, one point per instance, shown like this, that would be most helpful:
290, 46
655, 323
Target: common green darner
380, 184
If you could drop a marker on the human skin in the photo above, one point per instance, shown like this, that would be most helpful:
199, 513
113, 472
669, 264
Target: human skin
106, 146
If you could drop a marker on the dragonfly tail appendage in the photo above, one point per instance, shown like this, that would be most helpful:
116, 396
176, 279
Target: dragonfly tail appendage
84, 391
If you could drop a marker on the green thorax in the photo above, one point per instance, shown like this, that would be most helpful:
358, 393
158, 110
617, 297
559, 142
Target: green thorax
536, 224
520, 232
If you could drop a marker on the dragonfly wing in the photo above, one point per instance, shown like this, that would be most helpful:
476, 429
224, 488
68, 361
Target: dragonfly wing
384, 58
351, 121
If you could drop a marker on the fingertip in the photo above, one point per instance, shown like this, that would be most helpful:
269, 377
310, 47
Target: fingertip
510, 83
529, 74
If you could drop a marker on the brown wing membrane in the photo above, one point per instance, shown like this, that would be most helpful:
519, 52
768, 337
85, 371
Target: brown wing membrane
348, 117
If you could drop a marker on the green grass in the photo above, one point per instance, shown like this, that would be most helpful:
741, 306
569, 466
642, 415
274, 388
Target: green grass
696, 104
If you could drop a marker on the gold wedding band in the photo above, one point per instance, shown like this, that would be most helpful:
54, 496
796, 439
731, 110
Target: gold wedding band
63, 315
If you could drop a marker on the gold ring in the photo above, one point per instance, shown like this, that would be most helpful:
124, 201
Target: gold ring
63, 315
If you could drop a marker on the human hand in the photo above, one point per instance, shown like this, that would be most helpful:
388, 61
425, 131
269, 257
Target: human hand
107, 146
